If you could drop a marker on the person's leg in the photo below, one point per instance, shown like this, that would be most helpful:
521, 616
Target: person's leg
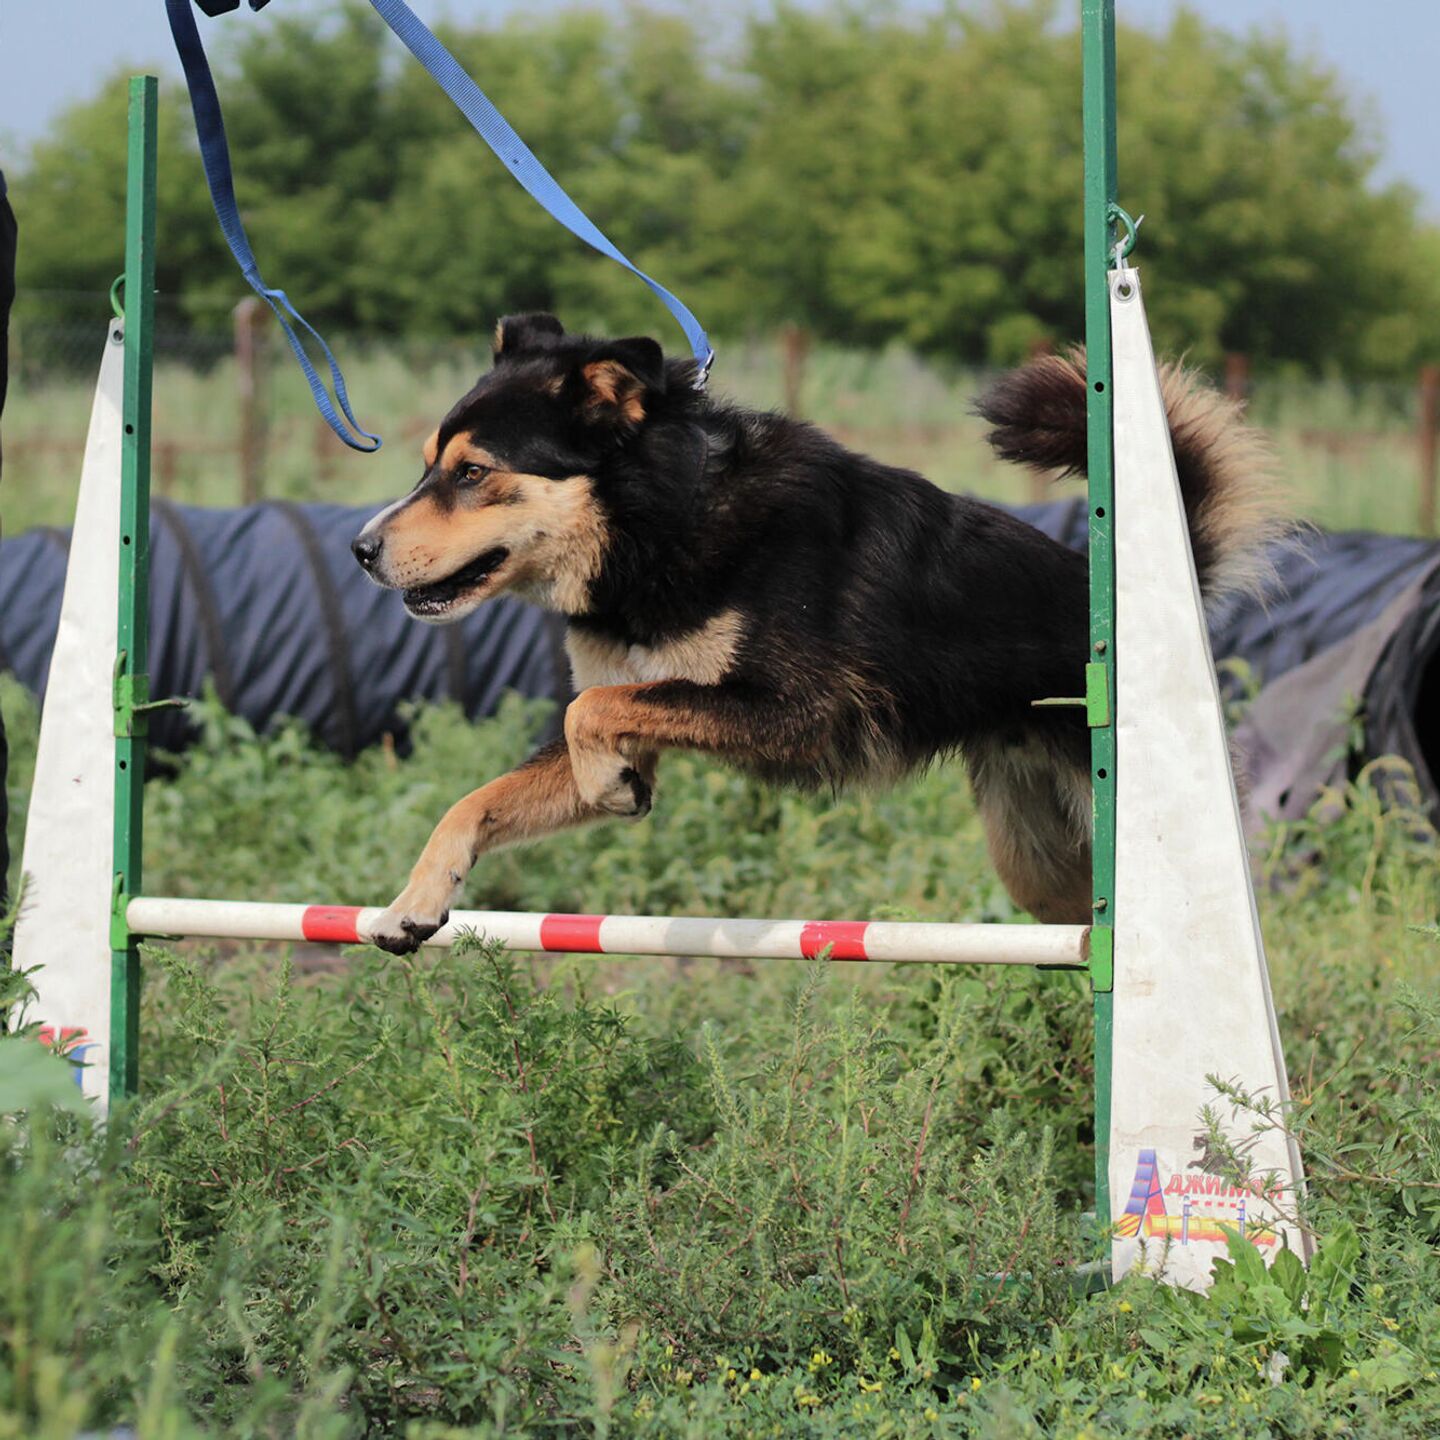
7, 294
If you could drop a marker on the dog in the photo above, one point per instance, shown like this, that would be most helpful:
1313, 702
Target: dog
739, 584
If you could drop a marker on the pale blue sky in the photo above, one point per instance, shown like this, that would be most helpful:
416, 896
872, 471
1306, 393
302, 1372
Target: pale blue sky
53, 52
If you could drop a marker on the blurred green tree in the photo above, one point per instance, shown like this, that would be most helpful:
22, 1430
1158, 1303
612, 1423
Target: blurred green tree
70, 199
878, 175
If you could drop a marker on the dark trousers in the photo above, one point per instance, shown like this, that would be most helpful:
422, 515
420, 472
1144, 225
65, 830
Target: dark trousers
7, 295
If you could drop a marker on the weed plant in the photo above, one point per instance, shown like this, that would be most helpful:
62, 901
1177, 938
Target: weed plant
468, 1195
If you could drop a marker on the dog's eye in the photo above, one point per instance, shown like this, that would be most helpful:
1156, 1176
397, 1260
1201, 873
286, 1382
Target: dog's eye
472, 474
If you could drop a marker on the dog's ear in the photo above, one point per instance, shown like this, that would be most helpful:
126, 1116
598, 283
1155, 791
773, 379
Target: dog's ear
516, 334
620, 376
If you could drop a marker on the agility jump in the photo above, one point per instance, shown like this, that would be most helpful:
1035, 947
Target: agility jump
1172, 946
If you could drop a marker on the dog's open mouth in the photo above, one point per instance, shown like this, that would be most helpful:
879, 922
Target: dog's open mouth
429, 602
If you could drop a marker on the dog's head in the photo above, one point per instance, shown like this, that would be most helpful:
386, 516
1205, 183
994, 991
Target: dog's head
508, 498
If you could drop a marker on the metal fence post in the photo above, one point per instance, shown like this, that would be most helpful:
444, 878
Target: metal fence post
132, 638
1097, 24
250, 317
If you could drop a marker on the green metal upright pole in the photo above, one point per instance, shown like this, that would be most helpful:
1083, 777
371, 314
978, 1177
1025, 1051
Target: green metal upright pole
1097, 24
132, 639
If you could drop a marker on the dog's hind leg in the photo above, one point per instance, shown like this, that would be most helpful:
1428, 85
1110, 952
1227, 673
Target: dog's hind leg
1035, 806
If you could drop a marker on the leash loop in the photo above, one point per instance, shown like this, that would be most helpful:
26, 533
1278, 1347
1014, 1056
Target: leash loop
488, 123
215, 156
516, 156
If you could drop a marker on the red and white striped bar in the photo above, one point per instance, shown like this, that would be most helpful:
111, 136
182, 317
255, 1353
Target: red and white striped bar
917, 942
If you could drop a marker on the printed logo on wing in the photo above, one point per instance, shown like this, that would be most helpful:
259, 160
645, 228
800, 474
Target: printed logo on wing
73, 1042
1196, 1209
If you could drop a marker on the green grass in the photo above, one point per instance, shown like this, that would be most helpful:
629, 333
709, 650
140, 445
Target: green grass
1348, 453
678, 1196
463, 1196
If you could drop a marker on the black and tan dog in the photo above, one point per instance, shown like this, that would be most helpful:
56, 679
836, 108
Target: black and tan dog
740, 584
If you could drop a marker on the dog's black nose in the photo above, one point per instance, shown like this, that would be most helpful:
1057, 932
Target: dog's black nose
366, 549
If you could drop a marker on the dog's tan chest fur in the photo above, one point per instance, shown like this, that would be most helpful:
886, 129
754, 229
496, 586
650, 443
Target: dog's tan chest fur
704, 656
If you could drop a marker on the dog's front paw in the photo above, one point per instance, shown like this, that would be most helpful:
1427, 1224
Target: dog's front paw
402, 930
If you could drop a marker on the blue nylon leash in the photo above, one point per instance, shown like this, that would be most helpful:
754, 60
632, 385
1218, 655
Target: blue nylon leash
215, 155
488, 123
516, 156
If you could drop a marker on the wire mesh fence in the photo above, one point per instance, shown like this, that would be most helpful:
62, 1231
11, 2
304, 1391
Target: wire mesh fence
234, 422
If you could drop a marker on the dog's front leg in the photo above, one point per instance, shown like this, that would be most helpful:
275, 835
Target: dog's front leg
615, 732
538, 798
604, 766
614, 770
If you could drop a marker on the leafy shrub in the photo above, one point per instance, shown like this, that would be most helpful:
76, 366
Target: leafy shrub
464, 1195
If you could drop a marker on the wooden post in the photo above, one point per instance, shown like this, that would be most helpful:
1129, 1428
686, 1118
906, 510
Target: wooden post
167, 466
1041, 485
794, 352
249, 316
322, 451
1429, 442
1237, 376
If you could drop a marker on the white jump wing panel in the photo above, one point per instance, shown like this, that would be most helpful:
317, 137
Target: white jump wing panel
1192, 995
64, 923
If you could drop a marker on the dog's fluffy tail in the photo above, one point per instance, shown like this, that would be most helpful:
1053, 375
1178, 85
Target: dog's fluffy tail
1233, 502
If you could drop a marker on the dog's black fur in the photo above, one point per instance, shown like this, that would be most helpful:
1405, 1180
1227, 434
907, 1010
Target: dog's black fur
877, 621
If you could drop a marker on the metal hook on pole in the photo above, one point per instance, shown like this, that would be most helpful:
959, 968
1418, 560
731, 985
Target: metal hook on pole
1125, 245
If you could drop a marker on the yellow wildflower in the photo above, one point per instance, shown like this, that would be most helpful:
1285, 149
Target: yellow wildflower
1125, 1307
931, 1413
975, 1382
754, 1374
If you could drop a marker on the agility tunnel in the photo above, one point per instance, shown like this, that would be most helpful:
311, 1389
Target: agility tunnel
267, 605
1350, 618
